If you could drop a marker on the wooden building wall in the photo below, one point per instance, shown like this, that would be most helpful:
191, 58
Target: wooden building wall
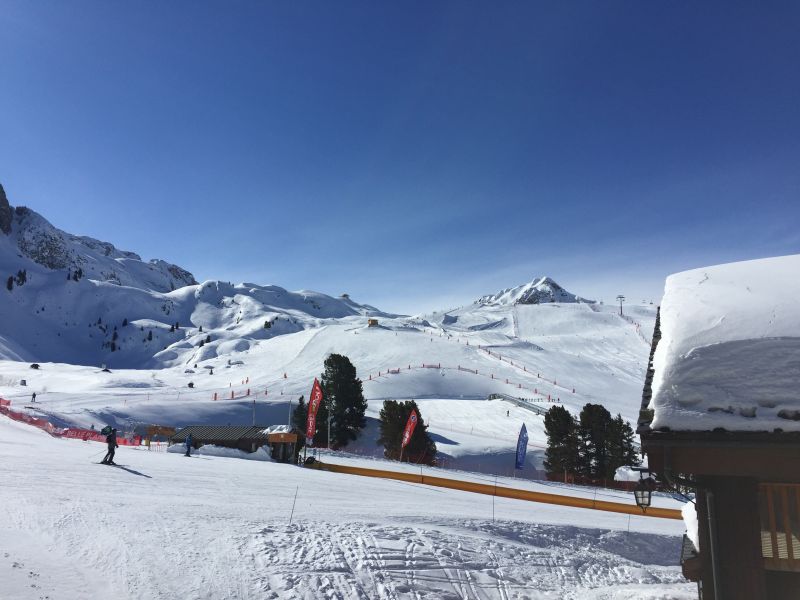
738, 532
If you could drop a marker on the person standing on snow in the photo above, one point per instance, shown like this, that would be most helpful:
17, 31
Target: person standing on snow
189, 445
111, 440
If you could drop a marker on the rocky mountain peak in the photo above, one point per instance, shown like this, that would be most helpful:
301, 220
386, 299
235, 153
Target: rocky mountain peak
539, 291
6, 214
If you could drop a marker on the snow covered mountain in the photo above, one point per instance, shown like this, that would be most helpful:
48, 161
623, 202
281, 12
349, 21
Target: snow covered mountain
175, 355
538, 291
81, 301
28, 237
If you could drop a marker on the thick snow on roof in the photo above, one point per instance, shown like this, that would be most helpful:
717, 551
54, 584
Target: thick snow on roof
729, 355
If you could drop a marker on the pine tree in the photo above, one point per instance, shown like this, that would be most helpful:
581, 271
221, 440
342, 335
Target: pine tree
10, 283
299, 417
344, 396
208, 339
393, 418
594, 429
171, 328
561, 455
621, 451
150, 335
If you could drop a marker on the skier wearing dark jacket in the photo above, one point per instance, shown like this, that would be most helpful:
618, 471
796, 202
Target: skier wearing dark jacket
111, 440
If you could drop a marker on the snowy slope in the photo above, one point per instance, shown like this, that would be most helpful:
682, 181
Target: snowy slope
82, 301
536, 341
77, 530
539, 291
602, 359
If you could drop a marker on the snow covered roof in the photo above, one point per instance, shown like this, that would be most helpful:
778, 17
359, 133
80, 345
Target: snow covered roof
729, 354
277, 429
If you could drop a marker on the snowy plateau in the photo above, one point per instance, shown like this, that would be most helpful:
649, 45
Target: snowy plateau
166, 526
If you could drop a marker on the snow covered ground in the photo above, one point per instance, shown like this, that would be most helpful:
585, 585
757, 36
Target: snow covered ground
542, 351
165, 526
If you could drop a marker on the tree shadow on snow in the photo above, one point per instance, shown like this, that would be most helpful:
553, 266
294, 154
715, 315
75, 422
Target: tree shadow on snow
440, 439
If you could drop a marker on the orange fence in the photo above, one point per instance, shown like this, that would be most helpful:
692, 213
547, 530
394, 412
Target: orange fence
68, 432
504, 492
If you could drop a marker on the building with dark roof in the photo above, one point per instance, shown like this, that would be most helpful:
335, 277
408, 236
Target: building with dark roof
282, 444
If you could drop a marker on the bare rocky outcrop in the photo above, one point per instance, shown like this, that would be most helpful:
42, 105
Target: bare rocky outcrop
6, 214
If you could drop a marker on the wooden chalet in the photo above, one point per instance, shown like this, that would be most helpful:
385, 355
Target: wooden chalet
283, 444
747, 486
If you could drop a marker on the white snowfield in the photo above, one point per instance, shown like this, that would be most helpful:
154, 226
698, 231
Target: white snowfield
729, 355
162, 526
571, 353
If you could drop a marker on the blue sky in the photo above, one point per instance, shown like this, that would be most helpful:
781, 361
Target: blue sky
414, 154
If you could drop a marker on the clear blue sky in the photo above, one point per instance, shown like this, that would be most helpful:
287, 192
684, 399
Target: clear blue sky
414, 154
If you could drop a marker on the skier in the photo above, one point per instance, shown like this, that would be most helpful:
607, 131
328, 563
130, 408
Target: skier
189, 445
33, 397
111, 440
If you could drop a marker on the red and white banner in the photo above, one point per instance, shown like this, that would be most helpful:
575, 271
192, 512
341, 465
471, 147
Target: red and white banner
80, 434
313, 406
4, 402
410, 426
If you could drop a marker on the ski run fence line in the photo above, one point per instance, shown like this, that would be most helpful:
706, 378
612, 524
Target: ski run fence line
87, 435
502, 491
542, 396
509, 361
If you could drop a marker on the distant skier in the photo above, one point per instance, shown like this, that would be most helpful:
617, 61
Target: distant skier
33, 397
111, 440
188, 445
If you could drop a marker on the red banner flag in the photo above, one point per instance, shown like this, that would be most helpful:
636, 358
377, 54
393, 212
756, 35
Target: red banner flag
313, 406
409, 430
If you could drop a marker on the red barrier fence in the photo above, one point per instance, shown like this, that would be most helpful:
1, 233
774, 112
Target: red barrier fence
70, 432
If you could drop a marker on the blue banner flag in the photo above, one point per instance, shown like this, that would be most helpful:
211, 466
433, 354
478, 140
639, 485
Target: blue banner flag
522, 447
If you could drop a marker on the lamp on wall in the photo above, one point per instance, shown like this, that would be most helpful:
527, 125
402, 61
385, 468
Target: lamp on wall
644, 492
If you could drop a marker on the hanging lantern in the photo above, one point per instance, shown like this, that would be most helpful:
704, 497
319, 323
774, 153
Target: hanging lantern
644, 492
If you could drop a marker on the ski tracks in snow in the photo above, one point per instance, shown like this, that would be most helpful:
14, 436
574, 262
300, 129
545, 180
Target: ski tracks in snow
513, 561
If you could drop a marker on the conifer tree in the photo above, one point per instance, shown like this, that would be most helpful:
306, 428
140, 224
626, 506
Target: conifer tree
299, 417
561, 429
594, 429
621, 449
344, 396
10, 283
393, 418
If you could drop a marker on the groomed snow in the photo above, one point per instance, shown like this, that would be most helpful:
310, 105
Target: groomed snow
163, 526
729, 355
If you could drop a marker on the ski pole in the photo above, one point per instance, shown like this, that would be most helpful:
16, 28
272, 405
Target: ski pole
97, 454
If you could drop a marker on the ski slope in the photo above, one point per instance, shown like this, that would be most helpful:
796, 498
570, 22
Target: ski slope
560, 348
163, 526
567, 353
